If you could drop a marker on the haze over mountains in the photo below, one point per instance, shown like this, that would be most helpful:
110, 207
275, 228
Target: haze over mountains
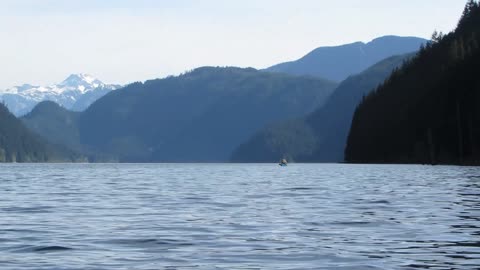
198, 116
338, 62
75, 93
214, 114
321, 135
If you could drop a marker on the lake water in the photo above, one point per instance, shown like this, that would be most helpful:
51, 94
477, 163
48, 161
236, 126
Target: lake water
224, 216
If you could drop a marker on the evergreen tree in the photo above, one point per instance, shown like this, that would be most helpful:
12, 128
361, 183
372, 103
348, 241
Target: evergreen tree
428, 111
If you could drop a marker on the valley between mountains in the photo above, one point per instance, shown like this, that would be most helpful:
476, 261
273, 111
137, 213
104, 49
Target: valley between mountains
300, 110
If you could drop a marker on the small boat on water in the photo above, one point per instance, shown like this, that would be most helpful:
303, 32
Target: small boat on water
283, 162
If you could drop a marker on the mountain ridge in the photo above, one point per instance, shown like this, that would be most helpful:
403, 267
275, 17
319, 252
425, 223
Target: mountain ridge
336, 63
20, 144
198, 116
321, 135
426, 112
76, 92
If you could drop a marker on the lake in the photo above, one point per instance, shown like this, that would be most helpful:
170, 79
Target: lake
238, 216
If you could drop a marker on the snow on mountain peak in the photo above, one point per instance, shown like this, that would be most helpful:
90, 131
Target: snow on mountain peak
76, 92
81, 79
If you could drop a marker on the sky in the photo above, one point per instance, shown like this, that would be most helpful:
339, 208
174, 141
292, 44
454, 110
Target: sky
123, 41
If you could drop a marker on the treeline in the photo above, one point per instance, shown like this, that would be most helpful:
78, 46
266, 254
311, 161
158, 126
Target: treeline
18, 144
199, 116
321, 135
427, 111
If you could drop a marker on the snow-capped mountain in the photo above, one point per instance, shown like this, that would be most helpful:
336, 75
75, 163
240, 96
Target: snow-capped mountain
75, 93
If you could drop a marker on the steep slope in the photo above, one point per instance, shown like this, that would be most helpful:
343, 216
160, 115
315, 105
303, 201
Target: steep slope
320, 136
199, 116
59, 126
332, 122
428, 111
18, 144
292, 139
76, 92
54, 123
338, 62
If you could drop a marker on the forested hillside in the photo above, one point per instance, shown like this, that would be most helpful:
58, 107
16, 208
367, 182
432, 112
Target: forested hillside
18, 144
200, 116
321, 135
429, 110
54, 123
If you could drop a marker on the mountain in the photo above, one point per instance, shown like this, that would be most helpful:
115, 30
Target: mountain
54, 123
428, 111
59, 126
292, 139
321, 135
18, 144
338, 62
76, 92
199, 116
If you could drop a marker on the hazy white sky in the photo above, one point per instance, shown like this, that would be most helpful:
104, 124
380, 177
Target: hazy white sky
121, 41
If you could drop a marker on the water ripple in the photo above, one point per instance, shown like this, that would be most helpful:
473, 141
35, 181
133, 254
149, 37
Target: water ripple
230, 216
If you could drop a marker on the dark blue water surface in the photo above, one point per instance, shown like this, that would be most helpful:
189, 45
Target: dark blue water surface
223, 216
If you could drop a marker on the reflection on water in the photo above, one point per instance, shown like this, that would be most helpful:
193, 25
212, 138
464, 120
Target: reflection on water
222, 216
